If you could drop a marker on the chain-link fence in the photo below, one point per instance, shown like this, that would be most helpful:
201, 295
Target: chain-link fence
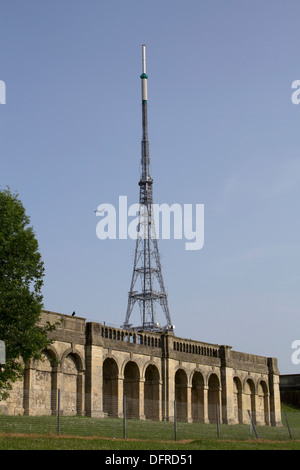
66, 413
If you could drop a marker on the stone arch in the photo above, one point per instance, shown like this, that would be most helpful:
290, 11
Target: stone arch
151, 392
213, 397
249, 400
110, 386
53, 354
181, 394
197, 397
72, 393
132, 389
124, 364
237, 400
53, 358
262, 406
145, 365
76, 354
43, 382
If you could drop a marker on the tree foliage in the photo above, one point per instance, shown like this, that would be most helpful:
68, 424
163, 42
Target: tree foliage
21, 281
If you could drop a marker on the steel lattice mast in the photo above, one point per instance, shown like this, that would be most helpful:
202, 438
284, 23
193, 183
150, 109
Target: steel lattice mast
147, 266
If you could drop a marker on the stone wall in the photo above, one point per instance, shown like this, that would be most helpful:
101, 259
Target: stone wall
94, 366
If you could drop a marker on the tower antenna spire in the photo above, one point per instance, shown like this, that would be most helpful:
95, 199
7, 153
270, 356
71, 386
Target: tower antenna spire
147, 266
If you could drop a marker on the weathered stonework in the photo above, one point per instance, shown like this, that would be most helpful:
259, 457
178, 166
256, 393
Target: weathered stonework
94, 366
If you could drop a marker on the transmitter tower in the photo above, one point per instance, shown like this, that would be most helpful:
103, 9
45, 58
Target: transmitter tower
147, 285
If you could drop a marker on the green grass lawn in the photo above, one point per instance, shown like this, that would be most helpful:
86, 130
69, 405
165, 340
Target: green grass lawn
24, 432
75, 443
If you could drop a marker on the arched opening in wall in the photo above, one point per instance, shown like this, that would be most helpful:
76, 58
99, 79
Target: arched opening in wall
213, 398
197, 397
181, 394
237, 400
43, 385
151, 393
249, 401
71, 398
110, 387
262, 408
131, 389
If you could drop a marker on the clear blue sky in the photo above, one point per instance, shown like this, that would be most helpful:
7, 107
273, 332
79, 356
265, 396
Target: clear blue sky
223, 132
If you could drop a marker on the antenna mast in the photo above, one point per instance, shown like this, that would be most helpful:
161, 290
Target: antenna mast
147, 267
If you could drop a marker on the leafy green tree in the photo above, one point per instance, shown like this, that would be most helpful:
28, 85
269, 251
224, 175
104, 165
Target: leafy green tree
21, 281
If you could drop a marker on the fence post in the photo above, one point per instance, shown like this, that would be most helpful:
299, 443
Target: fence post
288, 424
218, 421
58, 411
124, 416
175, 421
252, 424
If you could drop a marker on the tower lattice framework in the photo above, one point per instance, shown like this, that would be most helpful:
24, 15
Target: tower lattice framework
147, 265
